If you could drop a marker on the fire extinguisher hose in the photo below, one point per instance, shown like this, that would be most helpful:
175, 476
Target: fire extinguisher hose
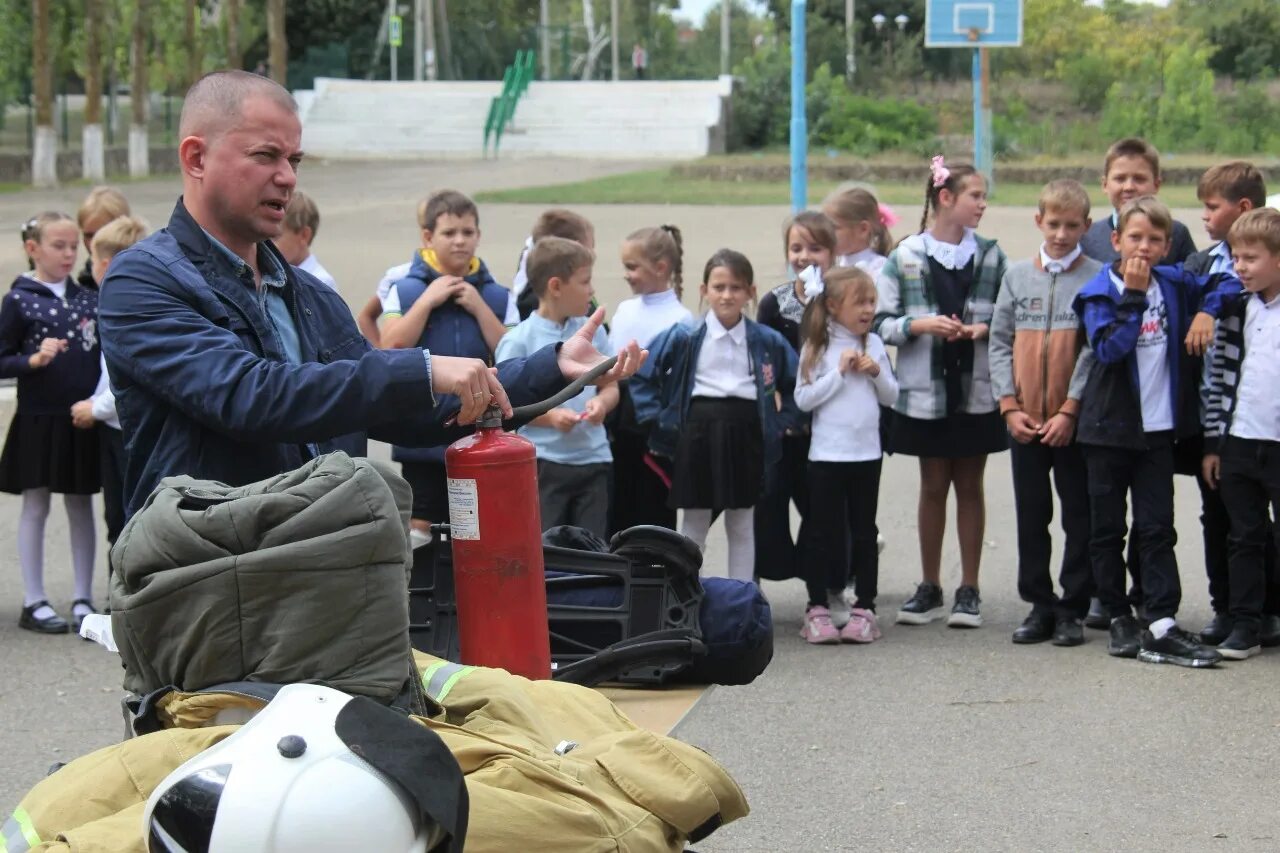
534, 410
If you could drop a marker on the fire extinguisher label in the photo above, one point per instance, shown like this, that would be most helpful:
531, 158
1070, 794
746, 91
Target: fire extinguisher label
464, 509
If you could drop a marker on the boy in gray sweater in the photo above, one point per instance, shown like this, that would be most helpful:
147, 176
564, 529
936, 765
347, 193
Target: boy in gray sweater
1036, 340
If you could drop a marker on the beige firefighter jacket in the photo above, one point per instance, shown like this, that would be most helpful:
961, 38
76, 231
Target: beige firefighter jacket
619, 788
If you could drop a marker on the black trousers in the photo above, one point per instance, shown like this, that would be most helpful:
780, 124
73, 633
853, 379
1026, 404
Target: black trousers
779, 556
639, 494
1037, 472
1115, 473
1250, 486
843, 497
1215, 526
111, 468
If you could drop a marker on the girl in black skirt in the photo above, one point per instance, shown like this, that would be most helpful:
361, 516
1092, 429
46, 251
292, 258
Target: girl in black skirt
49, 341
937, 295
710, 392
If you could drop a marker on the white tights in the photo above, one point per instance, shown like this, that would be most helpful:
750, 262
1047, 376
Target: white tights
739, 528
35, 512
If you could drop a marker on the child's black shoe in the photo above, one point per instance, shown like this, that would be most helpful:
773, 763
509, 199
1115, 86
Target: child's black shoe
1068, 631
1176, 647
1125, 637
1218, 629
1241, 644
1036, 628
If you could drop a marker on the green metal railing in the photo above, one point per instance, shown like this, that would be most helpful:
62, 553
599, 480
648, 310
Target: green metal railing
515, 81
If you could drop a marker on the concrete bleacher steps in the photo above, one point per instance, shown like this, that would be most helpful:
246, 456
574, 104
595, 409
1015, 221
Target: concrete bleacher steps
357, 119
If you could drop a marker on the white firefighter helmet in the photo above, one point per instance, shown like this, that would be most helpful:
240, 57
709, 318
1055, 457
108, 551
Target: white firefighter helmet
316, 770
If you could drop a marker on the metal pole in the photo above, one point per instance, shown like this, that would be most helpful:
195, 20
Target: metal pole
725, 7
799, 128
544, 37
988, 138
391, 11
850, 39
431, 58
418, 41
613, 37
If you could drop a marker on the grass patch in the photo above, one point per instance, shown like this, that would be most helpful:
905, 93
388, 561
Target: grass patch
660, 186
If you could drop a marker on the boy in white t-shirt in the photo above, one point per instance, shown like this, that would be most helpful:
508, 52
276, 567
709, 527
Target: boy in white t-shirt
1140, 395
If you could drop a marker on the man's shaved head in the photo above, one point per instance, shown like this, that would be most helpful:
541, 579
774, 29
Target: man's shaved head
216, 100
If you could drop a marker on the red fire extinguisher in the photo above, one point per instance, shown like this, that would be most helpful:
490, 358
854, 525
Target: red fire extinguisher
496, 531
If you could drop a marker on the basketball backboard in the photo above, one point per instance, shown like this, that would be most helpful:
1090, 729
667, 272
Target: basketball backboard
973, 23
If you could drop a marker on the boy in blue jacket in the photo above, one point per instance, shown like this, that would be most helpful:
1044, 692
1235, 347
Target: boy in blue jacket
449, 304
1141, 394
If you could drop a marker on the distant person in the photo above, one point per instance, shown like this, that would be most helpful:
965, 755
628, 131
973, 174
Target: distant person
574, 461
845, 377
49, 343
301, 223
862, 228
652, 265
640, 61
262, 69
556, 222
710, 395
449, 304
100, 409
937, 295
100, 206
1036, 341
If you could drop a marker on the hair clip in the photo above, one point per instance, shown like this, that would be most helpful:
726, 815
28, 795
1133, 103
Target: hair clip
887, 217
938, 168
813, 283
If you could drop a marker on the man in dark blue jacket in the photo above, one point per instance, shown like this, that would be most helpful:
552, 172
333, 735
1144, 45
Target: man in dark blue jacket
229, 364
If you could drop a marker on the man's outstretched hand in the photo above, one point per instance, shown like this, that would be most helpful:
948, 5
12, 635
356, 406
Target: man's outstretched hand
578, 354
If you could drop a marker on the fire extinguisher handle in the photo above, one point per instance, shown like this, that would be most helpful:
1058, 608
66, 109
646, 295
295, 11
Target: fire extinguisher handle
533, 410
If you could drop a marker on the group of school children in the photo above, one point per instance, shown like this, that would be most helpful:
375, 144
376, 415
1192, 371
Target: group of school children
1097, 362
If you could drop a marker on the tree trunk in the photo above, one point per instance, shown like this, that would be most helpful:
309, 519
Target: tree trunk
191, 32
234, 58
44, 154
139, 156
277, 44
92, 159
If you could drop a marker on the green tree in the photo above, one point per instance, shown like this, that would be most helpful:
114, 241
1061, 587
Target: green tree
1246, 34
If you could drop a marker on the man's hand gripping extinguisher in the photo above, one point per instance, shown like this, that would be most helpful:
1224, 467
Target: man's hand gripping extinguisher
496, 531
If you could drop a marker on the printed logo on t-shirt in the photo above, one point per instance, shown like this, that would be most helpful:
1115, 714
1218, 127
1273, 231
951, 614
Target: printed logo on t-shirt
1155, 325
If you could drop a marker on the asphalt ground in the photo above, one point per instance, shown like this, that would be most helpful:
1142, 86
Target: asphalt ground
931, 739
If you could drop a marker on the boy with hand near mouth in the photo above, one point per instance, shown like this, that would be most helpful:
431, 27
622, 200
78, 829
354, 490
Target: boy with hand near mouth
1140, 396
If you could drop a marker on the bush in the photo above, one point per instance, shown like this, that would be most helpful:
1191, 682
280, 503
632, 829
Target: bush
762, 102
844, 121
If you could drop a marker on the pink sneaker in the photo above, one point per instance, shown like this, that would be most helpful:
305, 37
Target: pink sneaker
817, 628
861, 628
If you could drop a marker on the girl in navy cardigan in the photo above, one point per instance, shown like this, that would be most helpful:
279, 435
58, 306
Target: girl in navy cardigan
49, 342
712, 395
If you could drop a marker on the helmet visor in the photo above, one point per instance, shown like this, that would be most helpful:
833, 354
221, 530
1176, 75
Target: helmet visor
183, 817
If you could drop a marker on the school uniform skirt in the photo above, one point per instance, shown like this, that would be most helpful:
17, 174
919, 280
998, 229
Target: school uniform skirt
46, 451
956, 436
720, 456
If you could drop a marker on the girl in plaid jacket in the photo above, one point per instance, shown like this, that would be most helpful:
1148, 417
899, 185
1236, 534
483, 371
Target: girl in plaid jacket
937, 295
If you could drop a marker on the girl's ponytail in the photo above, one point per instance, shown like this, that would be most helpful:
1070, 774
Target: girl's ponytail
676, 260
